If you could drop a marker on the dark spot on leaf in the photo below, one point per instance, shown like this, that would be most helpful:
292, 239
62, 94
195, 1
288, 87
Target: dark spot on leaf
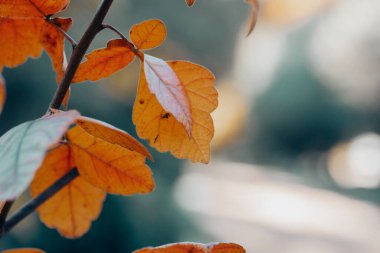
156, 138
141, 102
165, 116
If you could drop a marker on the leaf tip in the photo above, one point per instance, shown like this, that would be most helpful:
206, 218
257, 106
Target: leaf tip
190, 3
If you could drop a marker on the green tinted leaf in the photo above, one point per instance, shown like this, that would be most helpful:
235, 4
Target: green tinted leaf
23, 148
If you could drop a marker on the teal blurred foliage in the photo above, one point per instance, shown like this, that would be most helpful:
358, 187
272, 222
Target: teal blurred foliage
299, 116
126, 223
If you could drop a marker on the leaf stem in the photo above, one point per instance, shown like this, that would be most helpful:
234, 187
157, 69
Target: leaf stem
32, 205
121, 35
64, 33
108, 26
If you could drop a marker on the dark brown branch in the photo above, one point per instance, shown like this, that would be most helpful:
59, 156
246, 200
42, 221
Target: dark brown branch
4, 213
31, 206
78, 53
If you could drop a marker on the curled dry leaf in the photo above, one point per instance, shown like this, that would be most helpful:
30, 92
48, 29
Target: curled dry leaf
109, 166
163, 131
23, 250
148, 34
53, 42
73, 208
2, 93
164, 83
190, 2
254, 14
112, 135
195, 248
104, 62
25, 31
23, 148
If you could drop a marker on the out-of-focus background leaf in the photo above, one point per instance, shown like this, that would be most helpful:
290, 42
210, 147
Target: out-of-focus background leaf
296, 156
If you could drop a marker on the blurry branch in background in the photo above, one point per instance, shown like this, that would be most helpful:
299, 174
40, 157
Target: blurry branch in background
254, 15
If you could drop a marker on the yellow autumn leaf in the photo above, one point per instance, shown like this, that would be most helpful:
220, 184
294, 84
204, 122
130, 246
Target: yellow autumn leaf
104, 62
163, 131
169, 91
109, 166
194, 248
73, 208
148, 34
112, 135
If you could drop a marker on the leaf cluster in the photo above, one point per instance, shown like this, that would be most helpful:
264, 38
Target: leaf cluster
172, 110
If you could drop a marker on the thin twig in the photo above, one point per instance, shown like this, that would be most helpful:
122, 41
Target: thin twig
121, 35
111, 27
64, 33
32, 205
80, 50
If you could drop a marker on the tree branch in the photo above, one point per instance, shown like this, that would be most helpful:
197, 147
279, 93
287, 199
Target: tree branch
78, 53
4, 213
32, 205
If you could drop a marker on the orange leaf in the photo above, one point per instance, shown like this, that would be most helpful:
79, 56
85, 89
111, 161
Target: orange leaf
31, 8
109, 166
23, 250
104, 62
195, 248
190, 2
164, 83
73, 208
19, 9
112, 135
49, 7
19, 39
254, 14
24, 31
2, 93
148, 34
163, 131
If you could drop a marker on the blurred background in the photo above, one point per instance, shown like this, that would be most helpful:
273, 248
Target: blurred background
296, 155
